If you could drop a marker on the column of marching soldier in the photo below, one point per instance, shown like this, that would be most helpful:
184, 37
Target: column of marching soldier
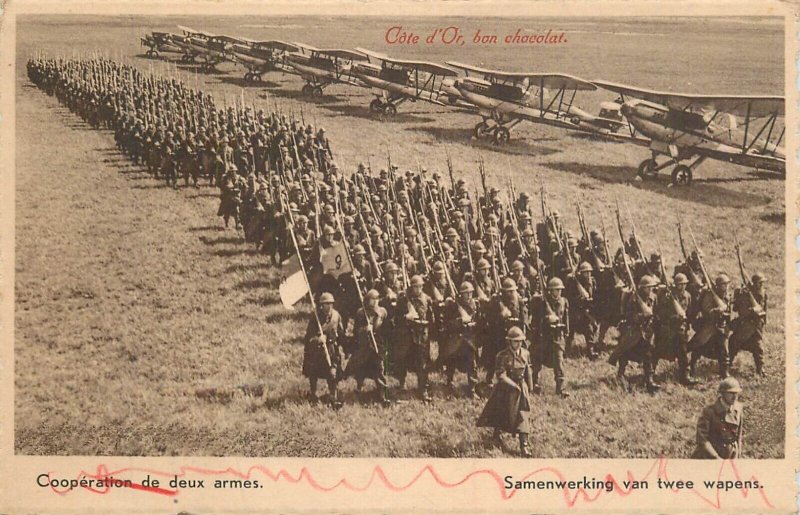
428, 260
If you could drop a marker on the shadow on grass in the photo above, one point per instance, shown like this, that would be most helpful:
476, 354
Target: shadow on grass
254, 284
701, 191
241, 83
295, 93
362, 111
775, 218
244, 267
244, 251
285, 315
221, 240
206, 194
518, 147
216, 228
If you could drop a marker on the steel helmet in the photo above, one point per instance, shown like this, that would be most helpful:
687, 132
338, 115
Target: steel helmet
390, 266
417, 280
509, 284
585, 267
483, 265
515, 334
517, 266
647, 281
555, 284
680, 278
326, 298
729, 385
758, 277
373, 294
722, 279
466, 287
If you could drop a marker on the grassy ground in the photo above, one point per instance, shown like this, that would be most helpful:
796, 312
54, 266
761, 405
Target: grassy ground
131, 298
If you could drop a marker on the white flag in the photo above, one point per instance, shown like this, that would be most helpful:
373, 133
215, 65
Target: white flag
293, 285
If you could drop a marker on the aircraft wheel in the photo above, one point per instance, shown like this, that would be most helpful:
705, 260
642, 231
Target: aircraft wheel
646, 168
682, 175
307, 89
316, 91
575, 120
501, 135
247, 77
376, 105
481, 130
149, 54
257, 78
389, 110
452, 100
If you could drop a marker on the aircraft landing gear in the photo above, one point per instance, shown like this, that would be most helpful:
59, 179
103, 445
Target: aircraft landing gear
681, 175
389, 110
152, 54
314, 90
376, 105
501, 135
647, 169
482, 130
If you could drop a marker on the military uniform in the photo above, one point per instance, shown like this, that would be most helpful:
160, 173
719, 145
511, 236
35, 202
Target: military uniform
720, 431
747, 329
551, 318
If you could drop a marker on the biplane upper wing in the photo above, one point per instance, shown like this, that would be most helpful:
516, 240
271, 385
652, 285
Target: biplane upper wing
423, 66
561, 81
349, 55
745, 106
192, 31
513, 76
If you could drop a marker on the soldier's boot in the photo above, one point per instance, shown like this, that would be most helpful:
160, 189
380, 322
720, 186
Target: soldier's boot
524, 451
649, 383
497, 438
685, 378
621, 374
336, 401
560, 389
312, 391
759, 360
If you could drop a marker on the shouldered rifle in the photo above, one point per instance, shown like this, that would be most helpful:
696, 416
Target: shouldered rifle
482, 171
683, 247
450, 170
628, 274
721, 304
676, 306
748, 285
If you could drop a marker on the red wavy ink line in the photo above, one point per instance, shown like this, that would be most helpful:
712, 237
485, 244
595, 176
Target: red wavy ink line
571, 496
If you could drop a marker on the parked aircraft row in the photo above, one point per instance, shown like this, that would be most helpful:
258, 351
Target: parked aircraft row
683, 129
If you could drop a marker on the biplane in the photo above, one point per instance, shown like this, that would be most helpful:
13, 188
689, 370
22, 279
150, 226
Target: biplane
259, 57
745, 130
504, 99
160, 43
322, 67
400, 80
210, 48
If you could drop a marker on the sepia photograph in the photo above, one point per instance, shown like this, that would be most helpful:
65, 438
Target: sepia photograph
406, 236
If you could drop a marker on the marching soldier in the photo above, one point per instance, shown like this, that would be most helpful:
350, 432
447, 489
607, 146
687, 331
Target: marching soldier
672, 326
636, 333
581, 294
720, 426
750, 303
711, 338
508, 407
322, 355
458, 347
506, 310
552, 325
366, 362
416, 312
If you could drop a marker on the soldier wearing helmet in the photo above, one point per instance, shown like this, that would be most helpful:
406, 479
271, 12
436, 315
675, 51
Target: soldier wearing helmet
581, 291
414, 351
438, 289
517, 273
458, 347
508, 407
673, 304
506, 310
747, 329
637, 332
720, 425
712, 325
369, 355
323, 354
485, 287
551, 323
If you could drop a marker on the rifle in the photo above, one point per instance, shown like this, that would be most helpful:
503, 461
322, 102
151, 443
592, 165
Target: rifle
310, 292
721, 304
450, 170
683, 247
355, 280
676, 306
748, 285
628, 274
482, 170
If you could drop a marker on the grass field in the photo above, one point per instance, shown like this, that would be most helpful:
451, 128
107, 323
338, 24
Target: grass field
131, 297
